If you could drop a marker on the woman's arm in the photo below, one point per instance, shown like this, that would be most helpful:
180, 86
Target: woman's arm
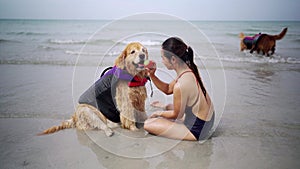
162, 86
178, 106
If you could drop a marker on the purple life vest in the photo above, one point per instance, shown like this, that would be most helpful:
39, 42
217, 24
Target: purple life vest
251, 41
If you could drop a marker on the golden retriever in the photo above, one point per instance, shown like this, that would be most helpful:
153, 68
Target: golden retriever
261, 42
128, 99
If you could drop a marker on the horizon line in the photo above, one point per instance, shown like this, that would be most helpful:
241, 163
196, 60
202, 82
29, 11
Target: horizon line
208, 20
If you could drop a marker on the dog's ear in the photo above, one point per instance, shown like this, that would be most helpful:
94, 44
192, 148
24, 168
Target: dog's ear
120, 61
147, 54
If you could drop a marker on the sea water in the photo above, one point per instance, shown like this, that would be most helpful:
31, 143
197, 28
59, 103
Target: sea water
58, 42
62, 44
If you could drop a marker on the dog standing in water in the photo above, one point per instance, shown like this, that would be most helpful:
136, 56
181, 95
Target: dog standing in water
261, 42
117, 97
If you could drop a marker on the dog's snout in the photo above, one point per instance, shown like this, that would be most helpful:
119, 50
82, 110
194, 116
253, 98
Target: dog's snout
142, 56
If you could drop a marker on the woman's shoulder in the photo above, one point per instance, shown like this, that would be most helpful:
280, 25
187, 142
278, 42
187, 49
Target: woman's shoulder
186, 82
187, 78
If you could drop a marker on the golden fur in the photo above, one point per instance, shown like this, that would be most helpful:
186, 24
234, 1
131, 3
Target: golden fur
130, 101
265, 44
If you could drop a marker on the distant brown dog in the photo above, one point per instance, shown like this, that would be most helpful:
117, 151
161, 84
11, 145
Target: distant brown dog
261, 42
117, 97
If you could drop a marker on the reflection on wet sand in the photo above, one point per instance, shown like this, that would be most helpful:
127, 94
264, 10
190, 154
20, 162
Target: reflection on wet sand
146, 152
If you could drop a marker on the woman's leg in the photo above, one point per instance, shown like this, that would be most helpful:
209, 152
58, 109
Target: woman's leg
166, 128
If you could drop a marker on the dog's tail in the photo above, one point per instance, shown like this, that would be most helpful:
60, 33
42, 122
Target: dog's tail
281, 35
64, 125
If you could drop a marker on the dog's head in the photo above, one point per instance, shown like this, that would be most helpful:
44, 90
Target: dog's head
132, 58
243, 46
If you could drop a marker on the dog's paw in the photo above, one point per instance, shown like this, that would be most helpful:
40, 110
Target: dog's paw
111, 124
108, 132
133, 128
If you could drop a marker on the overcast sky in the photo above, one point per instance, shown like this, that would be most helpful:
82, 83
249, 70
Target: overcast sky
185, 9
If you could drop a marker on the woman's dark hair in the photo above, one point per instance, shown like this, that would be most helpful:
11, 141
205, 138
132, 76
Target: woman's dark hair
176, 47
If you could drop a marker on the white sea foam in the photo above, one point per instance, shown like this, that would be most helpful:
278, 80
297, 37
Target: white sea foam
82, 53
56, 41
112, 53
255, 59
144, 42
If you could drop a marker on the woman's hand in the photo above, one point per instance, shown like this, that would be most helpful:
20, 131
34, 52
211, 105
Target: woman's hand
156, 114
151, 71
158, 104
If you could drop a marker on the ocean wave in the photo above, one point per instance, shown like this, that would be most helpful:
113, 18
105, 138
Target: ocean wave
251, 30
233, 34
48, 48
27, 33
255, 59
296, 40
82, 42
103, 41
55, 41
82, 62
37, 62
144, 42
9, 41
81, 53
112, 53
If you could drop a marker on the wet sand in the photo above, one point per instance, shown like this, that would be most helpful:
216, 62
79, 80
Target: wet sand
71, 148
253, 131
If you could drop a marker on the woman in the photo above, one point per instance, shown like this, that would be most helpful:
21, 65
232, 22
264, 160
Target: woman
191, 116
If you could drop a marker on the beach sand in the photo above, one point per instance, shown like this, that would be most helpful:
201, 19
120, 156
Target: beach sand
21, 148
251, 134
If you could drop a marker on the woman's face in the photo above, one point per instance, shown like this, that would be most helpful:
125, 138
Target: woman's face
166, 61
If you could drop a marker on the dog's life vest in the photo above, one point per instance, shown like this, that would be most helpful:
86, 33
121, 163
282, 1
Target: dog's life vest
102, 93
251, 41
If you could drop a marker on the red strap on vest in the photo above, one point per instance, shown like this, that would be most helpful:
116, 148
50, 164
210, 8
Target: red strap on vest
137, 81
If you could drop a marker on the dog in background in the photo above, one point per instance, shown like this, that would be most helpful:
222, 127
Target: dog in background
118, 97
261, 42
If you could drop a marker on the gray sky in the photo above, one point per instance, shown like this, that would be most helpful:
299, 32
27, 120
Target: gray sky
185, 9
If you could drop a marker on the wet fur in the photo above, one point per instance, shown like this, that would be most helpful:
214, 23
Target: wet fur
265, 44
130, 101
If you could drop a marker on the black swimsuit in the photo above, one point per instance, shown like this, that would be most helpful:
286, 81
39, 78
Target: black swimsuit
199, 128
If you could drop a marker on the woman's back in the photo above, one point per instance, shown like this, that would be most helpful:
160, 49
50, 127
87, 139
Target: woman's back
193, 96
